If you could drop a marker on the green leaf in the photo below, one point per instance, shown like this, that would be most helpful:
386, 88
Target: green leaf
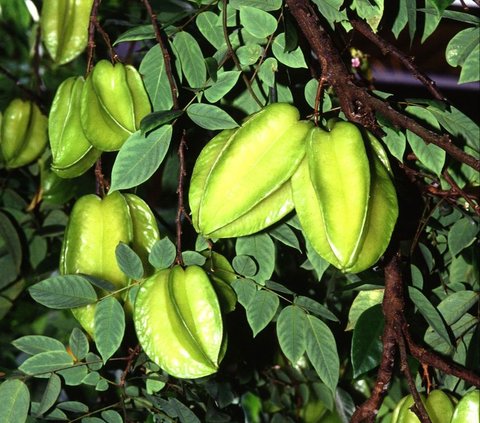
319, 264
78, 343
91, 379
293, 59
92, 420
210, 117
257, 22
261, 310
322, 352
15, 401
73, 406
371, 11
128, 261
315, 308
111, 416
156, 119
461, 46
50, 394
278, 287
292, 332
93, 361
109, 326
267, 5
330, 10
429, 312
210, 25
267, 71
249, 54
246, 290
471, 67
140, 157
191, 258
401, 18
34, 344
139, 33
46, 362
225, 82
367, 347
430, 155
285, 235
11, 240
155, 79
188, 51
244, 265
461, 235
310, 93
395, 141
63, 292
163, 253
262, 249
74, 375
457, 304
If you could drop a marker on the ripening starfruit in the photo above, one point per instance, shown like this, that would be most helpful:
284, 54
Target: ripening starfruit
179, 323
240, 182
114, 101
95, 227
23, 133
72, 153
345, 198
64, 25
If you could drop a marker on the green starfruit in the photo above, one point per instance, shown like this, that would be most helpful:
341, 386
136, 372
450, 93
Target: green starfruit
64, 25
345, 198
23, 133
240, 182
438, 404
95, 227
72, 152
468, 408
114, 101
179, 323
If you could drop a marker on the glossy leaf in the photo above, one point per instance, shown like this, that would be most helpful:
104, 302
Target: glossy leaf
163, 253
222, 86
15, 401
257, 22
330, 9
210, 26
109, 326
293, 59
362, 302
46, 362
261, 310
34, 344
210, 117
191, 60
128, 261
292, 332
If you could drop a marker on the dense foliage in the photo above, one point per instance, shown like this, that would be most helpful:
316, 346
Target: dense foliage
295, 339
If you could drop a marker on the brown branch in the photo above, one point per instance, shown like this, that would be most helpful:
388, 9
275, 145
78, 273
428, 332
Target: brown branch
388, 48
91, 35
356, 102
457, 190
166, 55
182, 173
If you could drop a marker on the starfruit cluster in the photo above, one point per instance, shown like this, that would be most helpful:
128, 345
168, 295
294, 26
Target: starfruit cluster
23, 133
339, 182
178, 321
95, 227
64, 27
94, 115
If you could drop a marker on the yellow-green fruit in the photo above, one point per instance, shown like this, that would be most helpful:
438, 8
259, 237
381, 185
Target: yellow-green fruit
95, 228
344, 197
114, 101
240, 182
64, 25
438, 405
23, 133
178, 322
71, 151
468, 408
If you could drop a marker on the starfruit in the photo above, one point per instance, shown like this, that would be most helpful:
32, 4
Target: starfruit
23, 133
345, 198
71, 151
114, 101
240, 181
95, 227
64, 25
178, 322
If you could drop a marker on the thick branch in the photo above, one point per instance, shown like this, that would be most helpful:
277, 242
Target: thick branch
359, 105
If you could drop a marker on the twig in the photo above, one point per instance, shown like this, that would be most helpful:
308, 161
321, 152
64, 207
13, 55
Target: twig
317, 111
166, 56
231, 52
356, 102
456, 189
407, 61
182, 173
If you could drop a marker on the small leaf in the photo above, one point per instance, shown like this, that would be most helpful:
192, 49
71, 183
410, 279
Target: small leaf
322, 351
261, 310
285, 235
138, 33
292, 331
363, 301
319, 264
225, 82
163, 254
208, 24
330, 10
210, 117
246, 290
429, 312
111, 416
128, 261
293, 59
395, 141
140, 157
11, 240
315, 307
367, 347
453, 307
191, 258
15, 401
35, 344
50, 394
244, 265
109, 326
262, 249
73, 406
78, 344
73, 376
278, 287
46, 362
257, 22
156, 119
190, 55
461, 235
